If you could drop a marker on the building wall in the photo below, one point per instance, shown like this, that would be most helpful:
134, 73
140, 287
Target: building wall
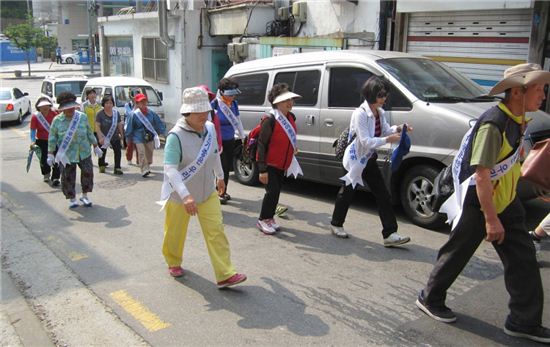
77, 14
446, 5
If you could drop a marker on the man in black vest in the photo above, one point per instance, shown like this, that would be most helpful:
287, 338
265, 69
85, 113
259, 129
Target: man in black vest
492, 211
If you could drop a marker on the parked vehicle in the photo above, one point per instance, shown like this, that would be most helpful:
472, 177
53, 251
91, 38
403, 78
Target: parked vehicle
70, 58
52, 86
119, 87
433, 98
14, 105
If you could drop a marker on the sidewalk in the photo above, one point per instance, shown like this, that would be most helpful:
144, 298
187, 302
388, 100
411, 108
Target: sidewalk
7, 69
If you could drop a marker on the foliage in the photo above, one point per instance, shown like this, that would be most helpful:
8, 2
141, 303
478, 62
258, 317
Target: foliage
13, 9
26, 37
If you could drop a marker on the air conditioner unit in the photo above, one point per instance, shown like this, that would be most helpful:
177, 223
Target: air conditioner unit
241, 50
283, 13
299, 11
231, 52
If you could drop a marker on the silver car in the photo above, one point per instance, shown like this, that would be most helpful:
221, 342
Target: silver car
14, 105
436, 100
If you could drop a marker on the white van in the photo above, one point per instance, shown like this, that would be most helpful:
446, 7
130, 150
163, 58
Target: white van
52, 86
436, 100
119, 88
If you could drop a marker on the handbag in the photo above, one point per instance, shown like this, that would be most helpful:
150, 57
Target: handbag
536, 167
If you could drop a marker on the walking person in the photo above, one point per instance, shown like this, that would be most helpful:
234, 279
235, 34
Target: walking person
541, 232
40, 130
213, 117
110, 130
227, 111
276, 153
128, 110
71, 134
192, 167
371, 130
486, 170
91, 107
143, 129
58, 58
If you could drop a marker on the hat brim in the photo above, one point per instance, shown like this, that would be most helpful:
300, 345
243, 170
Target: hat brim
533, 77
203, 107
68, 105
44, 103
286, 96
231, 92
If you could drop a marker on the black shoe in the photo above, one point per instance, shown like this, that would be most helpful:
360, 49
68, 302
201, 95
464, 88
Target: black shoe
539, 334
223, 200
146, 173
439, 313
227, 196
55, 182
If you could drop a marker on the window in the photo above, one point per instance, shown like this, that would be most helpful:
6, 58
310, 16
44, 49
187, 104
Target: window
155, 60
120, 56
345, 86
253, 88
305, 83
17, 93
74, 87
47, 89
122, 95
396, 101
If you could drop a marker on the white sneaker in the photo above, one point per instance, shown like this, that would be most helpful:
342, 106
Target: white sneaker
339, 231
274, 224
265, 227
85, 201
73, 203
395, 240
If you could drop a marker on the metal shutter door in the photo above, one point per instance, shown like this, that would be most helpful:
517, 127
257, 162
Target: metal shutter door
480, 44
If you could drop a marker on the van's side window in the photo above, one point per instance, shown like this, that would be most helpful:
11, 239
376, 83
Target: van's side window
396, 101
345, 86
305, 83
47, 89
253, 88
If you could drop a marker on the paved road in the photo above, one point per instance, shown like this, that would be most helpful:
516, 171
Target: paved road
96, 275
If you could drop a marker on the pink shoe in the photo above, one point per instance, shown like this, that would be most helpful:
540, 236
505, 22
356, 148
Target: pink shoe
231, 281
175, 271
274, 224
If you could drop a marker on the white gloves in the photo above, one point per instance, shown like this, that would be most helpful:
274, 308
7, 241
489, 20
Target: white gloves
98, 152
50, 160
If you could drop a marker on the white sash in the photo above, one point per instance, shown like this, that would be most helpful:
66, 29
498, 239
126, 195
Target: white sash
354, 164
43, 121
294, 169
148, 125
191, 169
453, 205
60, 157
231, 117
112, 129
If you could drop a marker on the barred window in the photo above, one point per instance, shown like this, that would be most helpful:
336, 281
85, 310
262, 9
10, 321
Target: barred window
155, 60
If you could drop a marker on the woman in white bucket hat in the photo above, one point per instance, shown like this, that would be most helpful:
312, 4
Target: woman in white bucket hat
192, 171
40, 130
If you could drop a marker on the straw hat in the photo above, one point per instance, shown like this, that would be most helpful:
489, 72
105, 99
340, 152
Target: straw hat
195, 100
521, 75
285, 96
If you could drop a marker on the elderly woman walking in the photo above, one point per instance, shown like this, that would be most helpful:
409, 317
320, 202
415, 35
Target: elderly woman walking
110, 130
192, 170
276, 153
71, 134
40, 130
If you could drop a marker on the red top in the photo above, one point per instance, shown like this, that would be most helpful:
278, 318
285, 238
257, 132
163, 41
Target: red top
280, 150
41, 133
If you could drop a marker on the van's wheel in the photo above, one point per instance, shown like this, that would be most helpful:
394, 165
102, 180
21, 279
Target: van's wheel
246, 171
417, 196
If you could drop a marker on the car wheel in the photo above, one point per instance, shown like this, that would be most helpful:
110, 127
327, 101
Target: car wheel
69, 60
417, 196
246, 171
20, 117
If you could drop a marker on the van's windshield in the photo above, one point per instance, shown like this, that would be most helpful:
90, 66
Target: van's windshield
432, 81
75, 87
122, 95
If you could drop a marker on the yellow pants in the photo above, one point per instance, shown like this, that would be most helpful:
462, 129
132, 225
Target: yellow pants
211, 221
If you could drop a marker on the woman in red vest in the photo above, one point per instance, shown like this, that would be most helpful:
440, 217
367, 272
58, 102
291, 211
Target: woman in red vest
275, 152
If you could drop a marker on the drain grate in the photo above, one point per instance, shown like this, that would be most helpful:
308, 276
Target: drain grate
116, 183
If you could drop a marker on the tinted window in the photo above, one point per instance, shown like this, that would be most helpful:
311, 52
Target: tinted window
345, 86
122, 95
397, 101
253, 88
74, 87
47, 88
305, 83
17, 93
5, 95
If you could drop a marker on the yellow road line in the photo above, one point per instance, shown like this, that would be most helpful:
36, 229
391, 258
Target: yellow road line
61, 246
141, 313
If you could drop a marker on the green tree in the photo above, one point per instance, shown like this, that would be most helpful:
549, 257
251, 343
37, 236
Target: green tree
25, 37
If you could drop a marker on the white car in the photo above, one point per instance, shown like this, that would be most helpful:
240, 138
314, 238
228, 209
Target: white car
70, 58
14, 105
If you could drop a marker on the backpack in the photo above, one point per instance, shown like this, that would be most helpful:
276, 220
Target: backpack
250, 143
341, 143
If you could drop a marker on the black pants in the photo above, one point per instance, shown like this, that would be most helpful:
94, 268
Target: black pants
373, 177
44, 167
272, 192
517, 253
58, 59
117, 150
227, 159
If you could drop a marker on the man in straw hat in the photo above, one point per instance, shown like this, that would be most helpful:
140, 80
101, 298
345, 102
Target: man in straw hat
192, 171
487, 168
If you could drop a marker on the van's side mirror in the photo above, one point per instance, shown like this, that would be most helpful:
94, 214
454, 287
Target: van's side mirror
472, 122
160, 95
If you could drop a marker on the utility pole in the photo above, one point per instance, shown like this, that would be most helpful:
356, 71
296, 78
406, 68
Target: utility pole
90, 5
